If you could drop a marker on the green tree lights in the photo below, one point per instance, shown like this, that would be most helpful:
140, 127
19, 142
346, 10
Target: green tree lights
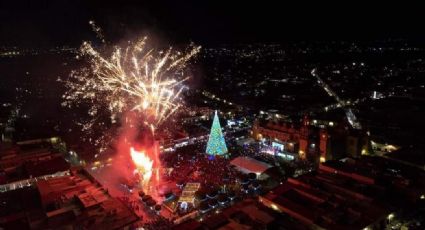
216, 144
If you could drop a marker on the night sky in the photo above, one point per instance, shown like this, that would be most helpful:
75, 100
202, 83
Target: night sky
64, 22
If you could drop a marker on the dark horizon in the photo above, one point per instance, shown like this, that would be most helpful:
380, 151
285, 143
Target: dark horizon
64, 22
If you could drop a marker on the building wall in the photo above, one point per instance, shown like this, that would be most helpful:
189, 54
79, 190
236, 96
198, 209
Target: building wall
360, 145
331, 143
324, 147
298, 137
353, 146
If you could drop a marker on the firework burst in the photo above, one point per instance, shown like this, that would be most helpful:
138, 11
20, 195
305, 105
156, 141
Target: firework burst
132, 78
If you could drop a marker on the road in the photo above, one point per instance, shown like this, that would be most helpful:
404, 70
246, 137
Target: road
352, 119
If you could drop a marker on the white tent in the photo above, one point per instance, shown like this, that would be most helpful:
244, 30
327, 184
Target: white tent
251, 165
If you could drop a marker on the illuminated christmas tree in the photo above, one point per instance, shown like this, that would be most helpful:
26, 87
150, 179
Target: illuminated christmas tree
216, 144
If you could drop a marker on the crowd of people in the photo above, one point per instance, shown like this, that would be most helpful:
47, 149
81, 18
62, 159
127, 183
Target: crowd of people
191, 164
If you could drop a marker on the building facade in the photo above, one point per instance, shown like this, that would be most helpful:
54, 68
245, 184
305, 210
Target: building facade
309, 141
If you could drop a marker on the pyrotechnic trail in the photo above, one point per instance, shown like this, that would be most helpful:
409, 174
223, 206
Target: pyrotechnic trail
97, 30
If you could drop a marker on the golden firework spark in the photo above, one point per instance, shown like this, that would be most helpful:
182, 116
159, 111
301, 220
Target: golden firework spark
132, 78
96, 29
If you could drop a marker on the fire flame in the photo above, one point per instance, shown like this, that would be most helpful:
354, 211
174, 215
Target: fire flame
143, 164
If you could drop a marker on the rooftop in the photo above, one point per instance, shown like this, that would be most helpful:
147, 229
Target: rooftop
46, 167
72, 202
322, 200
249, 165
247, 214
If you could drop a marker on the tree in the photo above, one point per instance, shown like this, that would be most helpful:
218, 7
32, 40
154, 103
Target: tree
216, 144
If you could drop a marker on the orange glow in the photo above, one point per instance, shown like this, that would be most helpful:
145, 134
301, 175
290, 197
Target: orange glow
143, 164
301, 153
